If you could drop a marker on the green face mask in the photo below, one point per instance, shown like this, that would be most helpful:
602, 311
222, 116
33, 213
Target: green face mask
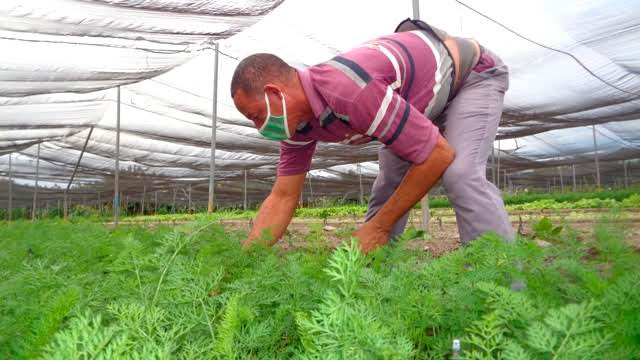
275, 127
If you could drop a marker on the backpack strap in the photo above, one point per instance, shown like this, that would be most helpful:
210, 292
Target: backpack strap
465, 53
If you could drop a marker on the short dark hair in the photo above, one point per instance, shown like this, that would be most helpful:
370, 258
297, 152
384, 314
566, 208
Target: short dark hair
256, 70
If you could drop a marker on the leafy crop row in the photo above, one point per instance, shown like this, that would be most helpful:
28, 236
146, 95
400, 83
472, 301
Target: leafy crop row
357, 211
632, 201
629, 198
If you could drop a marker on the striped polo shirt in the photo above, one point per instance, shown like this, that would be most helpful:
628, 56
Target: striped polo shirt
387, 89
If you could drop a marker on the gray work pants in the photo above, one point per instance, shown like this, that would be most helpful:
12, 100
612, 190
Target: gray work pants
470, 125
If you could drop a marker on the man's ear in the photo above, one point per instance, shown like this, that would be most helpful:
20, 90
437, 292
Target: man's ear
272, 89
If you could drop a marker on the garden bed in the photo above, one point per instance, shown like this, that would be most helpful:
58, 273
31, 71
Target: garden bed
82, 290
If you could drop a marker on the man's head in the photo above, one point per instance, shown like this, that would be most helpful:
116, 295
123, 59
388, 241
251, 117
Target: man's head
262, 78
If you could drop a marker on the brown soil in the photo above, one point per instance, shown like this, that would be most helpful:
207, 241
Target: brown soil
443, 232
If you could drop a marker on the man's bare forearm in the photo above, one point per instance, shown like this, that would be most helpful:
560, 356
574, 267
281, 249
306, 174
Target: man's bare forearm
420, 178
277, 210
273, 218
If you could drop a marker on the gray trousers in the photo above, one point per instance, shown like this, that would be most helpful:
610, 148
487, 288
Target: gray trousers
470, 124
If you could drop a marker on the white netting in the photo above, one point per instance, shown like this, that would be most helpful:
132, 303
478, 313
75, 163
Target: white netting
63, 58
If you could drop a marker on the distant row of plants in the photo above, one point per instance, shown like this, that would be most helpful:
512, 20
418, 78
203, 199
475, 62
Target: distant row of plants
632, 201
560, 197
624, 198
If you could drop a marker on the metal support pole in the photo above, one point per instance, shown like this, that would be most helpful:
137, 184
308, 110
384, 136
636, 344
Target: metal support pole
173, 202
116, 183
424, 218
144, 195
244, 204
595, 149
310, 189
35, 189
214, 116
155, 205
493, 165
504, 182
498, 167
10, 209
360, 181
626, 176
189, 200
416, 9
424, 203
75, 170
561, 179
573, 169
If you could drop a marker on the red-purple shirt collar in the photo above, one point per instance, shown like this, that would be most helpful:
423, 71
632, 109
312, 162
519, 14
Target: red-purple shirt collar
314, 98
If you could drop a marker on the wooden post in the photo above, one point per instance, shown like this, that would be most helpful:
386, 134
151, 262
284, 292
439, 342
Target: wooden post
573, 169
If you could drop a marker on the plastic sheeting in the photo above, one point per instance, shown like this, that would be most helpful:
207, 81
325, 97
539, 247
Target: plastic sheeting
74, 45
67, 55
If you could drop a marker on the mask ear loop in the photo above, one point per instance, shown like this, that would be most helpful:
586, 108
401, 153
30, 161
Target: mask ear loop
266, 120
286, 119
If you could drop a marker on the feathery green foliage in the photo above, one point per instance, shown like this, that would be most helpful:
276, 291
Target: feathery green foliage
80, 291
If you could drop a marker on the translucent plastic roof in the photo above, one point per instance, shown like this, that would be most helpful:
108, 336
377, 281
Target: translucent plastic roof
63, 58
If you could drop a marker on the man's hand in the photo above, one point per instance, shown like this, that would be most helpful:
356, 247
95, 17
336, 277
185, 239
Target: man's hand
414, 186
371, 235
276, 211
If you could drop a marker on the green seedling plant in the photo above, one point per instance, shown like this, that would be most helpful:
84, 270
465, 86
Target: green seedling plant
544, 229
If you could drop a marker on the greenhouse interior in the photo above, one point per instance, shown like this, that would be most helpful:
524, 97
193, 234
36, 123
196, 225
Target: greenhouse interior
129, 181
